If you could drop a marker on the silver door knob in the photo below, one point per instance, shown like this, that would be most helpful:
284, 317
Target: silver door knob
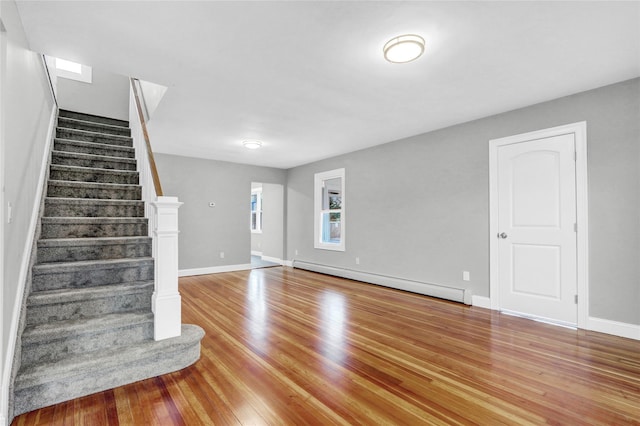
502, 235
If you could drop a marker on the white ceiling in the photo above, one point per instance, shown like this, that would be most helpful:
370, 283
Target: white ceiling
308, 78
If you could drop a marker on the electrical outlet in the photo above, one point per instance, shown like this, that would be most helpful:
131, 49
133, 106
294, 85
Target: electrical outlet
296, 252
357, 260
466, 276
221, 255
9, 213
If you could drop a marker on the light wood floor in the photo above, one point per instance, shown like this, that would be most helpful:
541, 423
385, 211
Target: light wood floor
290, 347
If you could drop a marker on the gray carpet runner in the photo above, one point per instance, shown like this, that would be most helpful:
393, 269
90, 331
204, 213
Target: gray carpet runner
88, 323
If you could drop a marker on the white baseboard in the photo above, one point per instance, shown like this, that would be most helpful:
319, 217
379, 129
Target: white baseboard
213, 270
272, 259
622, 329
256, 253
24, 269
288, 263
481, 301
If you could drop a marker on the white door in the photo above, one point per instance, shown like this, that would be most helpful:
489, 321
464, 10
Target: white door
536, 247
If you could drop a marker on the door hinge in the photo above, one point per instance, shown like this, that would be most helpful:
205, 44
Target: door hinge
575, 227
576, 299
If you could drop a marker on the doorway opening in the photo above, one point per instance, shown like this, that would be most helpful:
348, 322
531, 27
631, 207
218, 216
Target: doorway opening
266, 224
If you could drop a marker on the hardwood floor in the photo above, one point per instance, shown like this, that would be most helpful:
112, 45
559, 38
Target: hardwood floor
286, 346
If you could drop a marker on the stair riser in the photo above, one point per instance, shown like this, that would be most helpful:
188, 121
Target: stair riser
49, 351
71, 387
95, 252
67, 191
93, 118
79, 135
94, 176
63, 208
89, 308
64, 159
69, 146
88, 277
93, 127
56, 230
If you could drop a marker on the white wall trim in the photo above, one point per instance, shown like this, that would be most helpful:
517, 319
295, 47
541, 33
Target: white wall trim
288, 263
213, 270
272, 259
24, 267
622, 329
256, 253
481, 301
579, 129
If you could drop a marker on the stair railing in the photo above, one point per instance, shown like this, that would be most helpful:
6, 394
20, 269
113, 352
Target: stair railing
162, 213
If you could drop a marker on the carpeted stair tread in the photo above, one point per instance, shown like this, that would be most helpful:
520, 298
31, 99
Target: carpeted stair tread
80, 207
57, 330
76, 123
106, 191
92, 161
47, 384
49, 297
90, 227
44, 268
87, 174
65, 304
87, 136
64, 113
79, 249
95, 148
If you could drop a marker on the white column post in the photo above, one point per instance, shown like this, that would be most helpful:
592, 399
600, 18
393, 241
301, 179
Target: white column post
166, 298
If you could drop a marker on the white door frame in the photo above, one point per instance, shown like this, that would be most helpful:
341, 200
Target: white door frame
580, 131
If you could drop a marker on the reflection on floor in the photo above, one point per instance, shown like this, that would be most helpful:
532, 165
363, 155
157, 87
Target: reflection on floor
257, 262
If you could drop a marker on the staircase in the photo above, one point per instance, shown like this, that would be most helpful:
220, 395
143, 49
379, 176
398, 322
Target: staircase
88, 324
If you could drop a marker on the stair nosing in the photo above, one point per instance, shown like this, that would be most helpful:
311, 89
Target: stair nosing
41, 298
98, 145
114, 219
96, 169
95, 122
64, 111
59, 182
89, 201
106, 135
104, 240
107, 157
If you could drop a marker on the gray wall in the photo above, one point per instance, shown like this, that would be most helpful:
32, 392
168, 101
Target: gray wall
256, 241
205, 231
273, 220
107, 95
419, 208
26, 111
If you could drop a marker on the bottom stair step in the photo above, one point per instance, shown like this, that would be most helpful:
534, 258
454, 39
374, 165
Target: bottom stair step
51, 383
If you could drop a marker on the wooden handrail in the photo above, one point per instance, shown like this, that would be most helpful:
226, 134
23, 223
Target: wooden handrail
152, 161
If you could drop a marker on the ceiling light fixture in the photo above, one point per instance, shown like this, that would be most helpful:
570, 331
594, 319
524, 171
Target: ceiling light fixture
251, 144
404, 48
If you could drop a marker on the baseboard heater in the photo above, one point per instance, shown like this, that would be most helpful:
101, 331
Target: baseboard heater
434, 290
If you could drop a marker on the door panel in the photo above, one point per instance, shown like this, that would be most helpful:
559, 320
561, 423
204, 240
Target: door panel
536, 215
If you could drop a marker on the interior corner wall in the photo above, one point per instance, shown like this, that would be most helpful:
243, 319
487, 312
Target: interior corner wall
206, 231
107, 95
418, 208
27, 106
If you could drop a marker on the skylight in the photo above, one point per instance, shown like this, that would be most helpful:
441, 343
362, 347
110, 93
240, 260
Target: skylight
65, 65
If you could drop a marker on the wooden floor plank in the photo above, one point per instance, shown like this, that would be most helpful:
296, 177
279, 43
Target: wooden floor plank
285, 346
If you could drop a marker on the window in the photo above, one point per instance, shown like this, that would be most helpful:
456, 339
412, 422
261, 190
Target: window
256, 210
329, 210
73, 70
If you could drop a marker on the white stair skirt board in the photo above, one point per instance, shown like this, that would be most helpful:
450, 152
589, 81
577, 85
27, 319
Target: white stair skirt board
428, 289
213, 270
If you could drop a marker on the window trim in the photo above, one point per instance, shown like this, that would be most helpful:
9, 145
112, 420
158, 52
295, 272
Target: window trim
258, 230
319, 178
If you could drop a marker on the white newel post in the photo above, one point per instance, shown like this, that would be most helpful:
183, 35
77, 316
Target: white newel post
166, 298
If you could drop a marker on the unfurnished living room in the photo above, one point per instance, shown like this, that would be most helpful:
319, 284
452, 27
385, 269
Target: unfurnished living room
319, 212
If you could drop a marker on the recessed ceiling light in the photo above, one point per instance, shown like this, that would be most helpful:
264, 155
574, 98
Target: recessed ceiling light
252, 144
404, 48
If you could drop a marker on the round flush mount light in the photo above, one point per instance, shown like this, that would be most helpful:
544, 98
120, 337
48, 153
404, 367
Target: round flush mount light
252, 144
404, 48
